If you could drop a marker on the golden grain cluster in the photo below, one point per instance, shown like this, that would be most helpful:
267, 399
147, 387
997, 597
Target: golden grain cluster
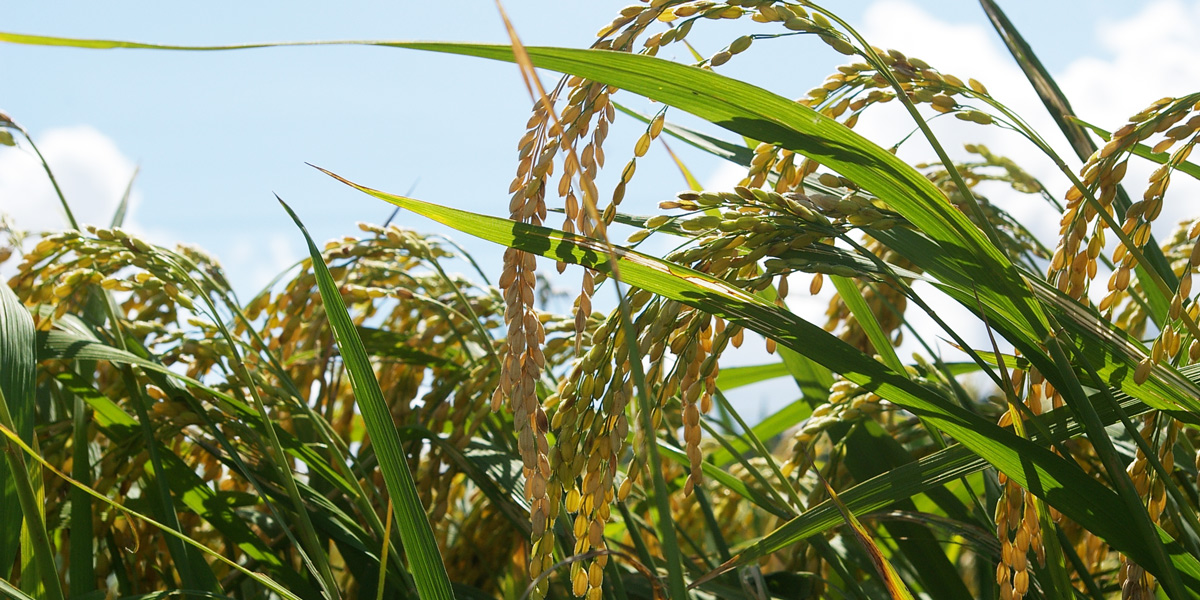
526, 431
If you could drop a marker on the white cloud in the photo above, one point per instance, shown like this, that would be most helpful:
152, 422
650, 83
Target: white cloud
725, 176
1153, 54
93, 174
1147, 56
968, 51
252, 261
1150, 55
91, 171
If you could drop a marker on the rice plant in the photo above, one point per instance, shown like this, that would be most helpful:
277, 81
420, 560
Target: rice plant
373, 425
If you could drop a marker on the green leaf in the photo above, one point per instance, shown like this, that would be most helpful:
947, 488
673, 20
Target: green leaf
425, 560
12, 591
735, 377
1104, 344
1047, 89
16, 383
735, 153
118, 218
730, 482
853, 298
774, 424
1060, 110
20, 485
1063, 484
891, 579
922, 475
869, 452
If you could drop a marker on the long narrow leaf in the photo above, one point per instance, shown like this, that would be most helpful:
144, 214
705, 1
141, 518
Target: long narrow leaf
1060, 110
16, 399
31, 453
905, 481
891, 579
1063, 485
752, 112
736, 377
425, 560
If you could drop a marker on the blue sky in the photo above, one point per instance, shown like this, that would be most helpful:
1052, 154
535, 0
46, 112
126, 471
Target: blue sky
216, 134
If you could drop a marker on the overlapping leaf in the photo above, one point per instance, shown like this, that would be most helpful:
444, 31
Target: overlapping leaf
1062, 484
425, 560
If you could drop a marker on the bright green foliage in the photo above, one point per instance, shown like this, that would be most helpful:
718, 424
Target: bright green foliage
218, 448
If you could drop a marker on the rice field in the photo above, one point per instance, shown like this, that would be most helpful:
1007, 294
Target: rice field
376, 425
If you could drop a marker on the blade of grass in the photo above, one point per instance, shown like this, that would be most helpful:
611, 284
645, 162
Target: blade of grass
1103, 342
731, 378
692, 183
1053, 99
12, 591
30, 452
762, 452
33, 515
118, 218
425, 560
82, 571
735, 153
383, 552
891, 579
870, 451
193, 572
813, 379
665, 522
62, 199
16, 379
1058, 582
907, 480
853, 297
713, 527
758, 114
774, 424
775, 504
1059, 107
1064, 485
1075, 396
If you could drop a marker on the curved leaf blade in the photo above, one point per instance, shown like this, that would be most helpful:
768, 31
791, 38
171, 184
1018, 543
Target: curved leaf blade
425, 559
1063, 485
17, 481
